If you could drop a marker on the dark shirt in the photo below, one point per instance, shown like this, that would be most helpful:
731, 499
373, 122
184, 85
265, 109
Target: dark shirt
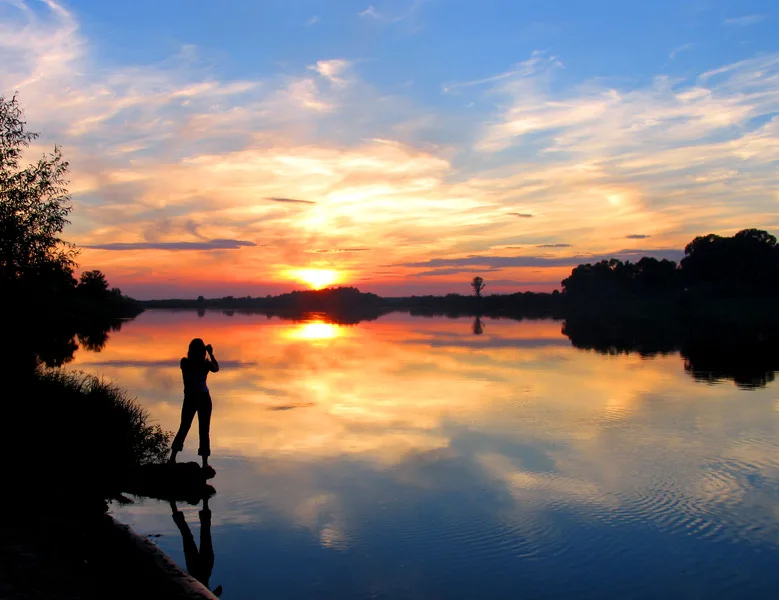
194, 374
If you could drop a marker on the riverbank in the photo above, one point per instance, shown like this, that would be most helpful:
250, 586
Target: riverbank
74, 441
72, 551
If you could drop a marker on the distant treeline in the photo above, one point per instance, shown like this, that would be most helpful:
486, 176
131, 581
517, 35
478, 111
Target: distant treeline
349, 305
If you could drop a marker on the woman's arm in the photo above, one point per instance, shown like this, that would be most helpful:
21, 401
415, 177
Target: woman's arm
213, 364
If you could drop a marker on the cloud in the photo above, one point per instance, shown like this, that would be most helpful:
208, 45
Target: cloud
207, 245
668, 113
500, 262
312, 21
163, 364
522, 69
290, 200
744, 21
553, 246
338, 250
452, 271
679, 49
637, 236
522, 215
283, 407
333, 70
560, 342
373, 13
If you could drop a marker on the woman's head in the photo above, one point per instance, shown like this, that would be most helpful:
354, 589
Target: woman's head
197, 350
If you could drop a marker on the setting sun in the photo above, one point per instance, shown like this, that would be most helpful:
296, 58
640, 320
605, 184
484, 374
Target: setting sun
315, 278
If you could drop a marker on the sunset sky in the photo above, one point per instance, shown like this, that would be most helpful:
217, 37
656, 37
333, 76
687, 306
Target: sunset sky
402, 146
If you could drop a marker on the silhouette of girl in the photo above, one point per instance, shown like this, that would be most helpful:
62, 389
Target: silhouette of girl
195, 367
200, 563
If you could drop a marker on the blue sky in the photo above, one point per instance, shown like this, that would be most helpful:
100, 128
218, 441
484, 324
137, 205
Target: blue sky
431, 42
416, 131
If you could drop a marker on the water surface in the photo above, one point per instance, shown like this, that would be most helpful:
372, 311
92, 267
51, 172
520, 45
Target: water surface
410, 458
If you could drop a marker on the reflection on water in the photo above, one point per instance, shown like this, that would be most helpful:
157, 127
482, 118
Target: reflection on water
746, 353
314, 330
417, 457
199, 559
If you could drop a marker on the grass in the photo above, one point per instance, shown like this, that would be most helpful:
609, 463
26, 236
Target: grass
80, 433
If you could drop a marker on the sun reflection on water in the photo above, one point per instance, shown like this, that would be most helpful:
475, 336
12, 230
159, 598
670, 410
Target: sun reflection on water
315, 331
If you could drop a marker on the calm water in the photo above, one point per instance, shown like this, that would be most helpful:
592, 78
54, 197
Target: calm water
409, 458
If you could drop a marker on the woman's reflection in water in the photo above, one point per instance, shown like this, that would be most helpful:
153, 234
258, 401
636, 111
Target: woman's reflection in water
200, 562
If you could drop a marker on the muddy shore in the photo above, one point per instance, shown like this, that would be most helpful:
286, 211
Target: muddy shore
63, 553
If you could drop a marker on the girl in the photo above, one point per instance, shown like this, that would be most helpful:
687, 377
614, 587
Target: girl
195, 367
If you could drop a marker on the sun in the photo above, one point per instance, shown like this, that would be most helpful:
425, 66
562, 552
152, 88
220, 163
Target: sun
316, 278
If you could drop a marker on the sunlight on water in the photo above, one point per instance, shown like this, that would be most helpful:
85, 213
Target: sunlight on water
316, 330
411, 457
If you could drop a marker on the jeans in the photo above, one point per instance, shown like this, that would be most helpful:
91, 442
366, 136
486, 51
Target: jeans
199, 403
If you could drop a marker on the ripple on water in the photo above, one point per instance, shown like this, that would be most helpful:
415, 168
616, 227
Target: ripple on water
710, 502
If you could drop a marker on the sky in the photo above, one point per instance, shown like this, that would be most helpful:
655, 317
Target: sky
249, 147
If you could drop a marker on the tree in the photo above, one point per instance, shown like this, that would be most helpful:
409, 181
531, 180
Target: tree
36, 265
603, 279
34, 204
657, 276
478, 285
478, 326
93, 284
747, 262
45, 306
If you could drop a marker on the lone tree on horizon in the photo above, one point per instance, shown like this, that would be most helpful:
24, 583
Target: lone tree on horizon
478, 285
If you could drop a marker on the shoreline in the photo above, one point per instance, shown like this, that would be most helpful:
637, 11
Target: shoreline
152, 559
75, 554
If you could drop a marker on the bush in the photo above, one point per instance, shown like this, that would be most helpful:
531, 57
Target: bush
94, 430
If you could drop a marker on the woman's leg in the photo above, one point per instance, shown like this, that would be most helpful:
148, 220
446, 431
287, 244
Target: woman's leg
204, 424
188, 410
206, 545
191, 554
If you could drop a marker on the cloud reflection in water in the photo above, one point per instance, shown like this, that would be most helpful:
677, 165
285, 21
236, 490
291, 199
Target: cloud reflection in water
507, 444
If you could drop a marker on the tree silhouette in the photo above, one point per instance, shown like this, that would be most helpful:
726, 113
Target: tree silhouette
44, 305
93, 284
34, 204
478, 326
478, 285
747, 262
610, 281
36, 265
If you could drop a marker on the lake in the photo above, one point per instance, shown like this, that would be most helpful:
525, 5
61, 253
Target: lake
412, 458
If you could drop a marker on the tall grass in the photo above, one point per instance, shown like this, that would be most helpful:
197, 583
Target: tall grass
81, 432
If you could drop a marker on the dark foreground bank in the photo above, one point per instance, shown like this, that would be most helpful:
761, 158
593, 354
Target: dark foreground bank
78, 552
76, 442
